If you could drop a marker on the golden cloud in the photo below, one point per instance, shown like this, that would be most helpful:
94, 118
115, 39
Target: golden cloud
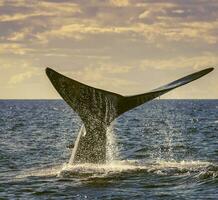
20, 77
63, 24
166, 30
39, 9
195, 62
120, 3
59, 9
23, 73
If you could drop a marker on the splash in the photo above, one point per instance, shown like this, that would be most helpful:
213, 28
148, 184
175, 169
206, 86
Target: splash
168, 137
112, 149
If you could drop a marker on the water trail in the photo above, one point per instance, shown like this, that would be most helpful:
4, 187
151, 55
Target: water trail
81, 132
112, 149
111, 144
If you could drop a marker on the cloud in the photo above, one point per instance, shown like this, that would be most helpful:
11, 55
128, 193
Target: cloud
25, 10
113, 69
84, 29
196, 62
24, 73
120, 3
18, 16
60, 9
156, 22
20, 77
13, 48
153, 11
20, 35
16, 71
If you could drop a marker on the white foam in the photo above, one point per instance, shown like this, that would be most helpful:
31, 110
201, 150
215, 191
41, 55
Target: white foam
160, 167
113, 167
188, 165
47, 171
157, 167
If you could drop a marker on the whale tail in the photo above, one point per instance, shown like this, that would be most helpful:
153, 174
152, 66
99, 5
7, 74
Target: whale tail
98, 108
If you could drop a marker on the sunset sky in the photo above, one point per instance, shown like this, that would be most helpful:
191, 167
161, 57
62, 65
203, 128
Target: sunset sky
124, 46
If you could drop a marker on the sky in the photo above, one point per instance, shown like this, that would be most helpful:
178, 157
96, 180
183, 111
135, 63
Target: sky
124, 46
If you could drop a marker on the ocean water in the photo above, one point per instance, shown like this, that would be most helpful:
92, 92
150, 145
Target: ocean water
165, 149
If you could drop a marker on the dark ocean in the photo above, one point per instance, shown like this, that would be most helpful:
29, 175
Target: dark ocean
164, 149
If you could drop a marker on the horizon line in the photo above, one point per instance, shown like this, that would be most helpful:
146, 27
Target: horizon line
154, 99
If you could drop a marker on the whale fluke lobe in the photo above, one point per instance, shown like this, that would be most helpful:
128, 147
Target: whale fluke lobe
136, 100
97, 108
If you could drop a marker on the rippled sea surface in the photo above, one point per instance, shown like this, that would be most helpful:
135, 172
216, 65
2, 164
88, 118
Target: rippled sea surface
165, 149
